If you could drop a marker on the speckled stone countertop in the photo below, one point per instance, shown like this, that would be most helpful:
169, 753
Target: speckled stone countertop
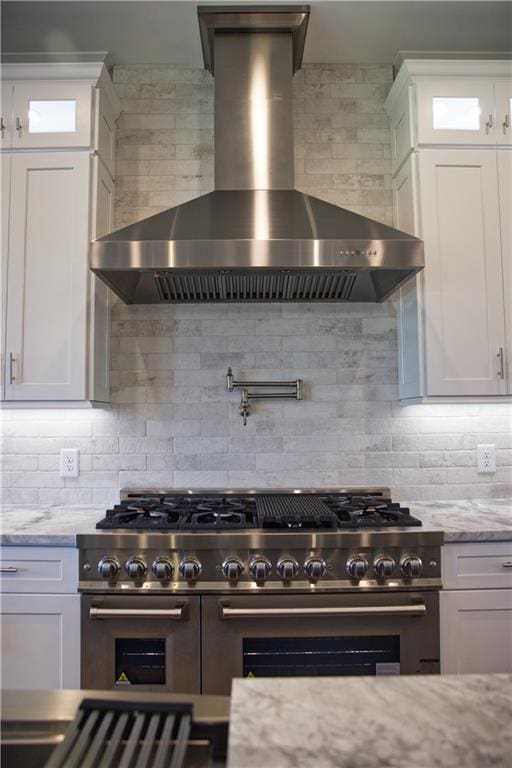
372, 722
481, 520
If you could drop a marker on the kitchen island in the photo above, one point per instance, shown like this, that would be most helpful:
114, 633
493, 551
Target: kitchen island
370, 722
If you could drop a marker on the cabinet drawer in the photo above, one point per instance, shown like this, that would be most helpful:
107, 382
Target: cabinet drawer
38, 569
486, 565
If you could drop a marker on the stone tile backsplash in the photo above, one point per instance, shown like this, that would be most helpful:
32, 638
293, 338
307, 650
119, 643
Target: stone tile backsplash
172, 423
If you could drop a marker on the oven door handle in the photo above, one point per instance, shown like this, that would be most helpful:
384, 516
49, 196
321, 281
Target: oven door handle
418, 609
137, 613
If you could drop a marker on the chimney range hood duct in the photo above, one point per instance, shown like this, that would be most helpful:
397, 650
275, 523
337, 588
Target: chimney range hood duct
255, 238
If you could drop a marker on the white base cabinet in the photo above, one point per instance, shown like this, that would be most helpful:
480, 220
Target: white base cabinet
476, 608
476, 631
40, 618
40, 642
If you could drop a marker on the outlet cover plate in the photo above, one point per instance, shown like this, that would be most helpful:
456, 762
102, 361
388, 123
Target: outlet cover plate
69, 462
486, 458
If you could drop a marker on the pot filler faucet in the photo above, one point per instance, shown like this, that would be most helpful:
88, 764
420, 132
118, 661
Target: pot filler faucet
296, 393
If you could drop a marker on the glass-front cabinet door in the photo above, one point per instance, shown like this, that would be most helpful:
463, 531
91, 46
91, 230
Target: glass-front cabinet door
456, 111
503, 98
51, 115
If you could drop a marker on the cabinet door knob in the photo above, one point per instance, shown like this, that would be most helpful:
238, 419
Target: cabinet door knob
507, 564
506, 123
488, 124
2, 126
18, 126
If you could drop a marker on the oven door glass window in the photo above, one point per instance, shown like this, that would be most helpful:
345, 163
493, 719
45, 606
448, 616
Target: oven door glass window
321, 656
140, 661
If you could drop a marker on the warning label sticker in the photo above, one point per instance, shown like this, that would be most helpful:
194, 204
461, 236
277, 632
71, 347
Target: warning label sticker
122, 680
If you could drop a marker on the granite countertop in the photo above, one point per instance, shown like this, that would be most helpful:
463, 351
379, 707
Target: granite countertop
46, 526
480, 520
467, 520
425, 721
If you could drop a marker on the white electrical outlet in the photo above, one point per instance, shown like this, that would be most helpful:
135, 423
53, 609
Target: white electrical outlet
486, 458
69, 462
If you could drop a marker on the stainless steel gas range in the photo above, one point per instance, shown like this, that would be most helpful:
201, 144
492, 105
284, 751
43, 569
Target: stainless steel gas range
184, 590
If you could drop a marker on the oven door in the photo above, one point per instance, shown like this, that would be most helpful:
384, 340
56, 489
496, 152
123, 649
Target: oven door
312, 635
141, 642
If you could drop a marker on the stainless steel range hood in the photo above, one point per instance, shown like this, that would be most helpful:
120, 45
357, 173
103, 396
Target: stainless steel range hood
255, 238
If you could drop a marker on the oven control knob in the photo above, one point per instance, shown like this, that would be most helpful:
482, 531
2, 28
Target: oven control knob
232, 568
314, 568
411, 566
136, 568
287, 568
163, 569
260, 568
357, 568
190, 569
108, 568
384, 567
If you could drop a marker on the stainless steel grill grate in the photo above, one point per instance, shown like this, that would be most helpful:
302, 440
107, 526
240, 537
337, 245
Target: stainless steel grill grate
255, 286
117, 734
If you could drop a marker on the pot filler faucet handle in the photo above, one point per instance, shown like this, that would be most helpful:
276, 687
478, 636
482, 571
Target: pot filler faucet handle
245, 407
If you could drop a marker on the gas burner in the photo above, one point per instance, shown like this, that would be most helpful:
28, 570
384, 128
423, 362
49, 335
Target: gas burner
213, 519
223, 507
369, 512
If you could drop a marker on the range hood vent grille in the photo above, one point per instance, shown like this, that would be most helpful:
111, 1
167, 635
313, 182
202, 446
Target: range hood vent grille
255, 286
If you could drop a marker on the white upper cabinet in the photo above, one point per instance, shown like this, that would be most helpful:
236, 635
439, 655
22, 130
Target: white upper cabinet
57, 195
505, 196
452, 169
463, 289
47, 273
47, 115
455, 111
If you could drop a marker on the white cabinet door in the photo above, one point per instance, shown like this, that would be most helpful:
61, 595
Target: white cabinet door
47, 277
52, 115
455, 111
463, 278
40, 641
505, 192
476, 631
503, 101
405, 197
6, 91
5, 168
99, 352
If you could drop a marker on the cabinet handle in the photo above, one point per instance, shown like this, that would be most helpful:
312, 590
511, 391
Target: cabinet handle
18, 126
2, 126
501, 368
13, 569
488, 124
506, 123
507, 564
13, 361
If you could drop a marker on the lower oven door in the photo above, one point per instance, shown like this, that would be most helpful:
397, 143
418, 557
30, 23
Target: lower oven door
141, 642
311, 635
